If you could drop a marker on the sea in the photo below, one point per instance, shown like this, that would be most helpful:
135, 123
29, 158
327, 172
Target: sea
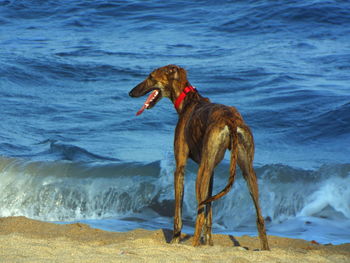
73, 150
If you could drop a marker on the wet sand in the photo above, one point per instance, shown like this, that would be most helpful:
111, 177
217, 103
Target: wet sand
27, 240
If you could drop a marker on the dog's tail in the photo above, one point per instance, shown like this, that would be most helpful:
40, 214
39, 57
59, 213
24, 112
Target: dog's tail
234, 152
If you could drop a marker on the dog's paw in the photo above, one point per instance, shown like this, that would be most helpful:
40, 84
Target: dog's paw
209, 242
175, 240
196, 242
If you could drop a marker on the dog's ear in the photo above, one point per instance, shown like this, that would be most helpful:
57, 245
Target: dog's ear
182, 75
176, 73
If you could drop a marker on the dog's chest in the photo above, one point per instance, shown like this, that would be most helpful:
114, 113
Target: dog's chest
194, 134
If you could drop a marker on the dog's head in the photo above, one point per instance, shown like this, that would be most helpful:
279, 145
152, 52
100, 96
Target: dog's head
167, 81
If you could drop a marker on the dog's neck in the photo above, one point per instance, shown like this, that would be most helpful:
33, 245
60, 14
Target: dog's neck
183, 95
188, 96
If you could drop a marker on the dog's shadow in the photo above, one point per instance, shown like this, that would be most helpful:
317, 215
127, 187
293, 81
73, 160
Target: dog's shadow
168, 236
234, 241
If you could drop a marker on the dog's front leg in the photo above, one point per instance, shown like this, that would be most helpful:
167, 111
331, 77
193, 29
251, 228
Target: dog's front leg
179, 189
181, 155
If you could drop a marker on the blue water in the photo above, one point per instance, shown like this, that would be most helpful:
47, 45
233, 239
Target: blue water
72, 149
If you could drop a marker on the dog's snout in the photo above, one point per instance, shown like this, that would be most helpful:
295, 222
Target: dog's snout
133, 92
138, 91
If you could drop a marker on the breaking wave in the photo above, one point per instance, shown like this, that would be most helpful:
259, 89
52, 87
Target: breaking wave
67, 191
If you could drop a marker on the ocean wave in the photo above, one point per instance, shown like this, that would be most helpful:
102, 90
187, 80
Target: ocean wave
44, 71
320, 12
271, 17
74, 153
254, 16
340, 62
66, 191
19, 74
334, 123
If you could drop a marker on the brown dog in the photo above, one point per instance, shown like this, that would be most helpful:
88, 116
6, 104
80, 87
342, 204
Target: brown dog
204, 131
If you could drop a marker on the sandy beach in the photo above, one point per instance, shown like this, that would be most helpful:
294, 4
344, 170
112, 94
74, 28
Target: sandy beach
27, 240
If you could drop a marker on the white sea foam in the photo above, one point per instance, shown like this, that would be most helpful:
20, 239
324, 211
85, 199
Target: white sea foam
333, 193
295, 202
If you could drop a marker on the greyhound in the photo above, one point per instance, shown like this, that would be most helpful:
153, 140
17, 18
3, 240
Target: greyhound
203, 133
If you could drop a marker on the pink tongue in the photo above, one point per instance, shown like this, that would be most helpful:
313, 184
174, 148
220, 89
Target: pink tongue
146, 104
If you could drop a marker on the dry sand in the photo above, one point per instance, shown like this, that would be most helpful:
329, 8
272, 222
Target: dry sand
26, 240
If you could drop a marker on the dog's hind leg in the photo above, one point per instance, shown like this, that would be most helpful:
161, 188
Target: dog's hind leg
215, 143
202, 191
245, 162
250, 177
209, 216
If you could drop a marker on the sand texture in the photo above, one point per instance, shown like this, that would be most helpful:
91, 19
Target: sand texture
27, 240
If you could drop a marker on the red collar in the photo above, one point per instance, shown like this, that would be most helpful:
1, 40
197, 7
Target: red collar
183, 95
